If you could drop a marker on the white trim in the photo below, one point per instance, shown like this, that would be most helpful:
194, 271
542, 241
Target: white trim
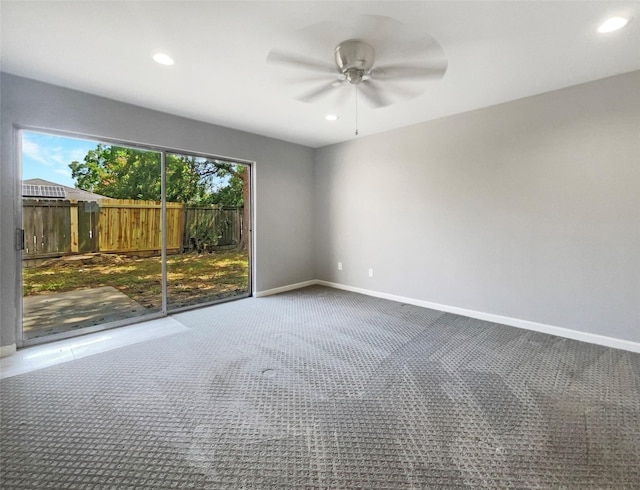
7, 350
283, 289
591, 338
253, 219
568, 333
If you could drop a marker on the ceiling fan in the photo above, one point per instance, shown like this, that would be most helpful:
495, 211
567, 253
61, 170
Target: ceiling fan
410, 59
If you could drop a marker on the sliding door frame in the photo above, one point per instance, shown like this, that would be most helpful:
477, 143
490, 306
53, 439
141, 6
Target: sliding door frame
163, 151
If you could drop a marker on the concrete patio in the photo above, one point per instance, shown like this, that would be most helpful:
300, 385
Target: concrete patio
49, 314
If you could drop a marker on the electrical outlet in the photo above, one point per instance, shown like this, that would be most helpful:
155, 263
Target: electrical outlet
370, 272
339, 266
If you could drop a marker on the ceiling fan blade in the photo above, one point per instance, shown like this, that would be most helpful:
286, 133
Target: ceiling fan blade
343, 96
311, 78
406, 71
374, 28
317, 92
398, 92
372, 93
407, 48
299, 61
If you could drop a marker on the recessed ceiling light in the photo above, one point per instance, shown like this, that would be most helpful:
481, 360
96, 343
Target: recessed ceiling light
331, 117
613, 24
163, 59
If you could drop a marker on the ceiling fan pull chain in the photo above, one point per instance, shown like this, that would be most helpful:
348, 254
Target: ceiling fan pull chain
356, 110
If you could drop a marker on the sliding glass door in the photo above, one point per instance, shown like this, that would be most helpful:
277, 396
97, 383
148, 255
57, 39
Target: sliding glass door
92, 234
95, 222
208, 201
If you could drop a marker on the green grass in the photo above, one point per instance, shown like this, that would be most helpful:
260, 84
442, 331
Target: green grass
191, 278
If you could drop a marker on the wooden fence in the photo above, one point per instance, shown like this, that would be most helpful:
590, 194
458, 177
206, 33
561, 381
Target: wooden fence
47, 227
223, 222
54, 227
126, 225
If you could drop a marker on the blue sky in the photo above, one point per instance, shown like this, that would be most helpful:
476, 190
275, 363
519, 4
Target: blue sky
47, 157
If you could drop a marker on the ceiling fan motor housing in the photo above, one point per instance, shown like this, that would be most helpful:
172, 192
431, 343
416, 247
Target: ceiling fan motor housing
354, 59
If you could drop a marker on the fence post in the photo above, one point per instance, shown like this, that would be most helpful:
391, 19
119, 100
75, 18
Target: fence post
73, 209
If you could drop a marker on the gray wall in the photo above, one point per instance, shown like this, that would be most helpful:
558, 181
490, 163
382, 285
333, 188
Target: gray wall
283, 175
529, 209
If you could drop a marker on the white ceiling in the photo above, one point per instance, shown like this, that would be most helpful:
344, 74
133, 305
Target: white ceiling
497, 51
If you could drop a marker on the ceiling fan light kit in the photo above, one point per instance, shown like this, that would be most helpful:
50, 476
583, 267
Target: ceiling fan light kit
354, 59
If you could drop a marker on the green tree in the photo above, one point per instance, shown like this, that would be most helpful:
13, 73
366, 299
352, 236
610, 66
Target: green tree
119, 173
127, 173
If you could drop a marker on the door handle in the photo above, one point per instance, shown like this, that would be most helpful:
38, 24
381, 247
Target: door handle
19, 239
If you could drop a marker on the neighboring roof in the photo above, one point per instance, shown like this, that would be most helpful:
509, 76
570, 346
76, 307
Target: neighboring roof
70, 192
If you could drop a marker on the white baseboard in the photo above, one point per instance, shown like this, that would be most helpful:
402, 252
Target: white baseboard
283, 289
7, 350
504, 320
590, 338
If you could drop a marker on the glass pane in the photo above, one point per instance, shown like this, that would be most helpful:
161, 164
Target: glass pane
207, 230
92, 243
